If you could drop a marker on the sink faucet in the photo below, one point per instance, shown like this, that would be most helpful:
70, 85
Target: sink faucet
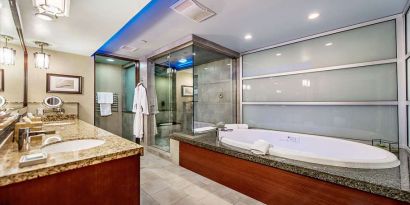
24, 140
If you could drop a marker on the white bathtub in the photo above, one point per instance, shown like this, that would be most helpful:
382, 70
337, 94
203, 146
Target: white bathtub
314, 149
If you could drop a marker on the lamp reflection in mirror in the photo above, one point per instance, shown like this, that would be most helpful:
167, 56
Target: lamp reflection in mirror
51, 9
7, 55
42, 60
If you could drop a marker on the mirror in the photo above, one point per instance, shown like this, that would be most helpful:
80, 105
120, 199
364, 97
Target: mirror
53, 102
3, 102
12, 72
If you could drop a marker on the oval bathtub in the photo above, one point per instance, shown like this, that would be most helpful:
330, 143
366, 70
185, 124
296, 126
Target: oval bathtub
313, 149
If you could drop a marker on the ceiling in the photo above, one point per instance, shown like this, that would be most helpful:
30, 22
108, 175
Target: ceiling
269, 21
110, 60
91, 23
6, 22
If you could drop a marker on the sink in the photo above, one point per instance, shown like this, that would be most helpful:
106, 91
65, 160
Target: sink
72, 145
58, 123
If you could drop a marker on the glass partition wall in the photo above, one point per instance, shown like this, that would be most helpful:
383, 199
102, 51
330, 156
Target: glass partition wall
192, 89
344, 85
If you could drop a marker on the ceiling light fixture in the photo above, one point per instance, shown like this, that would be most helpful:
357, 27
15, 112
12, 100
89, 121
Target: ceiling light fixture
45, 16
329, 44
42, 60
278, 54
248, 37
110, 60
7, 55
313, 15
51, 9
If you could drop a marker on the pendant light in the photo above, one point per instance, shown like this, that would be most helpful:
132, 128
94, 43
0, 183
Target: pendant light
7, 55
42, 60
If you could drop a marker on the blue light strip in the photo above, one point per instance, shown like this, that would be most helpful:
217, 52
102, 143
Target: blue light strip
130, 23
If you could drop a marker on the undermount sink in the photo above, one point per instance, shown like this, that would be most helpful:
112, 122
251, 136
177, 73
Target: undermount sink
72, 145
58, 123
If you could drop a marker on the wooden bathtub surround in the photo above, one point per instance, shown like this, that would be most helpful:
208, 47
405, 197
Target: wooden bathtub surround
271, 185
112, 182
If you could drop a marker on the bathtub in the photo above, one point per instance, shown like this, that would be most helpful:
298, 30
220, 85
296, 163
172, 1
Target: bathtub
313, 149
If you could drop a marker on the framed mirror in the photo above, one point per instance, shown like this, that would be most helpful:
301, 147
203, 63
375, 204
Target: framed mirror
53, 102
12, 66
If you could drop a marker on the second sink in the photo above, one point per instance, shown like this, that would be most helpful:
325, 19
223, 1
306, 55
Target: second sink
72, 145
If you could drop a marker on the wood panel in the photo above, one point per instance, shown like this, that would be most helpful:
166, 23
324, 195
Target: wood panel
112, 182
271, 185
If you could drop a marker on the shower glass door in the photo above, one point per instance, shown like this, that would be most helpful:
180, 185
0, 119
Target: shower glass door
173, 77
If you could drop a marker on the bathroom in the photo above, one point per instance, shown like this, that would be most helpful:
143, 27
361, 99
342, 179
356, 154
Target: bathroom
204, 102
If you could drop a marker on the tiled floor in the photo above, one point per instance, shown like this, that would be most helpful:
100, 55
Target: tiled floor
165, 183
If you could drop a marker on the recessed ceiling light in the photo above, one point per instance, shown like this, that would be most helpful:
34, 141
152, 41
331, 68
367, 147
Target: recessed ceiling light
228, 64
183, 60
248, 37
313, 15
205, 68
110, 60
329, 44
278, 54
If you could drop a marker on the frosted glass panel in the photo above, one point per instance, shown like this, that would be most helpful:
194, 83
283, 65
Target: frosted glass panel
370, 43
407, 32
408, 77
369, 83
354, 122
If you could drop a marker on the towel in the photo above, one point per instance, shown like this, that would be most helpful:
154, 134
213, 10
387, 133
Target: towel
260, 147
236, 126
105, 99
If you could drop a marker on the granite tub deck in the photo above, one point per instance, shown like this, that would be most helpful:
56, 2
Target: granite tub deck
114, 148
392, 183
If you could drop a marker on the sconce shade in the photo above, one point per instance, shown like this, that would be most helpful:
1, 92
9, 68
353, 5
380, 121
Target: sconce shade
7, 56
42, 60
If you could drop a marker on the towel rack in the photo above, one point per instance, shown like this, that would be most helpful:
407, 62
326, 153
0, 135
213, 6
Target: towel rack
114, 105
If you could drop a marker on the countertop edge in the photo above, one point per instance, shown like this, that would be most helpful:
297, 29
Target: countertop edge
381, 190
34, 174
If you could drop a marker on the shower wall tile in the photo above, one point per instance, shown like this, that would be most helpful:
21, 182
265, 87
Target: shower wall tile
214, 102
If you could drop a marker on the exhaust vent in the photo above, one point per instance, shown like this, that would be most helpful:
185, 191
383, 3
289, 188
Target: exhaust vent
128, 48
193, 10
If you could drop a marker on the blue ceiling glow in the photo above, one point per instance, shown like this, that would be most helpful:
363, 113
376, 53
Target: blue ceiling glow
132, 21
181, 66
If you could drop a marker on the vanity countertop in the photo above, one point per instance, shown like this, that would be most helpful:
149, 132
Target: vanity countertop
392, 183
114, 147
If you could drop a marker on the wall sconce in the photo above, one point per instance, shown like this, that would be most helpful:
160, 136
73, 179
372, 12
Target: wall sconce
42, 60
7, 55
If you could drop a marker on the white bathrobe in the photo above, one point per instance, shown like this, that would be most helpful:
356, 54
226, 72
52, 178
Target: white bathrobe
140, 108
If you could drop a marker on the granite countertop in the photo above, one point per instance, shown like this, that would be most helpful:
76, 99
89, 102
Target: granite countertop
114, 147
392, 183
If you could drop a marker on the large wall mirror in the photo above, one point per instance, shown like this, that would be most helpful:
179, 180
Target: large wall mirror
12, 82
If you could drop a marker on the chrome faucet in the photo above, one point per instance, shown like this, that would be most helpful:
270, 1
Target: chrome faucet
24, 140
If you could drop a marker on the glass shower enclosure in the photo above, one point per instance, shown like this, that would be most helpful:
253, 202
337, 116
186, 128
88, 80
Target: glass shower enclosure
192, 89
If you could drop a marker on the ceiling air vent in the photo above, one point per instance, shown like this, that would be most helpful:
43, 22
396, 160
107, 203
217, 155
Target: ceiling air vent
193, 10
128, 48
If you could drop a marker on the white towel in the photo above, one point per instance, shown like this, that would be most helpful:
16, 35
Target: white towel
242, 126
236, 126
105, 99
260, 147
